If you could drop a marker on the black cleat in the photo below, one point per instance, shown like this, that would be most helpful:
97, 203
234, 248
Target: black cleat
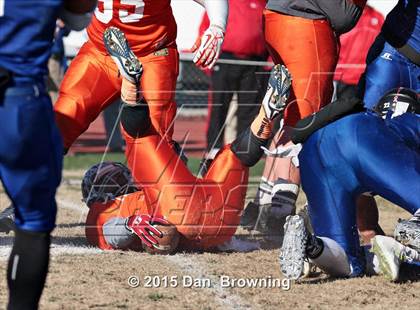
7, 220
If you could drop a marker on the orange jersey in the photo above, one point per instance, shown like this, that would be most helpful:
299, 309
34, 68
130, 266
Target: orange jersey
149, 25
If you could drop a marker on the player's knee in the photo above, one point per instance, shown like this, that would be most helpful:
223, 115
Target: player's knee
135, 119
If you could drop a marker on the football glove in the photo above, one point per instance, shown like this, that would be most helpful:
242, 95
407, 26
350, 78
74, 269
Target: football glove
207, 48
142, 226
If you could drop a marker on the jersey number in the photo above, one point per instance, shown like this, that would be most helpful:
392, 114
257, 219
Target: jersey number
105, 16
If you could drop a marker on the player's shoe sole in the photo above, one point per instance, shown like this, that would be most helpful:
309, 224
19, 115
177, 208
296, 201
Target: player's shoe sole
385, 250
7, 220
117, 46
292, 252
278, 91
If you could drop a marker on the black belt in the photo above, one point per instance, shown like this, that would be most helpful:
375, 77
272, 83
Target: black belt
406, 50
410, 53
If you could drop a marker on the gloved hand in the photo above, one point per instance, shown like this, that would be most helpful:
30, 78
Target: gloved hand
207, 48
142, 226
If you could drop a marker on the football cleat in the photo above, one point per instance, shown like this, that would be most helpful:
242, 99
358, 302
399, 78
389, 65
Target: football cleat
250, 216
407, 232
389, 253
117, 46
293, 251
7, 220
278, 91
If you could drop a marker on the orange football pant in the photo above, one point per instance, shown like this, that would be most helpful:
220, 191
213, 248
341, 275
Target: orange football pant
92, 82
309, 49
205, 211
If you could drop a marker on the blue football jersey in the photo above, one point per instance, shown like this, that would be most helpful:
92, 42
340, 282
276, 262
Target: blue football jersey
26, 35
403, 24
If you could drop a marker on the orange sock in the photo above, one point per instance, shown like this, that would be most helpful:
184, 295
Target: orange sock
262, 127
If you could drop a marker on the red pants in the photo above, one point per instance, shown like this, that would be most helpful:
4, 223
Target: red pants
92, 82
309, 49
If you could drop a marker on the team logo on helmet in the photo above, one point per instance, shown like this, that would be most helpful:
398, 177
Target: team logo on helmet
396, 102
105, 181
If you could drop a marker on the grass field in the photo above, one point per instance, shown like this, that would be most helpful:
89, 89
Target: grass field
82, 277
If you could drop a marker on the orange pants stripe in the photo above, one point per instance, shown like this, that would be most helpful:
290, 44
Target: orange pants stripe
92, 82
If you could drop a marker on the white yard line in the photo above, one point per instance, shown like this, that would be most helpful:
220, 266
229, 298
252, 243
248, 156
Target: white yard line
191, 267
56, 250
66, 204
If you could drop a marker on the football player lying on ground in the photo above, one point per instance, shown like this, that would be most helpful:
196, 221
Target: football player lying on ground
374, 151
205, 212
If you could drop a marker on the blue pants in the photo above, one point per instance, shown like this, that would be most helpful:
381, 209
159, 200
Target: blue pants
30, 155
387, 69
356, 154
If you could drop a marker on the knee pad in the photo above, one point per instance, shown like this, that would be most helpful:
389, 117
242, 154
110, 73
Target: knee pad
135, 119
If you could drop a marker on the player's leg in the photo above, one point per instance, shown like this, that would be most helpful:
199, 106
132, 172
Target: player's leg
368, 218
227, 176
31, 162
89, 85
158, 82
250, 94
309, 50
399, 181
335, 249
223, 85
331, 200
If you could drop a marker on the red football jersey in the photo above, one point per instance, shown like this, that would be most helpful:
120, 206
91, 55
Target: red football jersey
149, 25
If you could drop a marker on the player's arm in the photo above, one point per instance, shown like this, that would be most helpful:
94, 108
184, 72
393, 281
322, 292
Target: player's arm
207, 47
76, 15
328, 114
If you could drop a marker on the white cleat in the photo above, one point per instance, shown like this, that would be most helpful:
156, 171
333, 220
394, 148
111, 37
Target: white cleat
117, 46
278, 91
293, 250
390, 255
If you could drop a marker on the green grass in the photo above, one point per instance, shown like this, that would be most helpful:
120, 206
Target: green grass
85, 161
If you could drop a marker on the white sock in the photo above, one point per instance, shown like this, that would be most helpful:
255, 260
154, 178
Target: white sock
333, 259
264, 192
283, 198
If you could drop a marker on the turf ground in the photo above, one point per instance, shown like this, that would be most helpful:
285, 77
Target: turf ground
82, 277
